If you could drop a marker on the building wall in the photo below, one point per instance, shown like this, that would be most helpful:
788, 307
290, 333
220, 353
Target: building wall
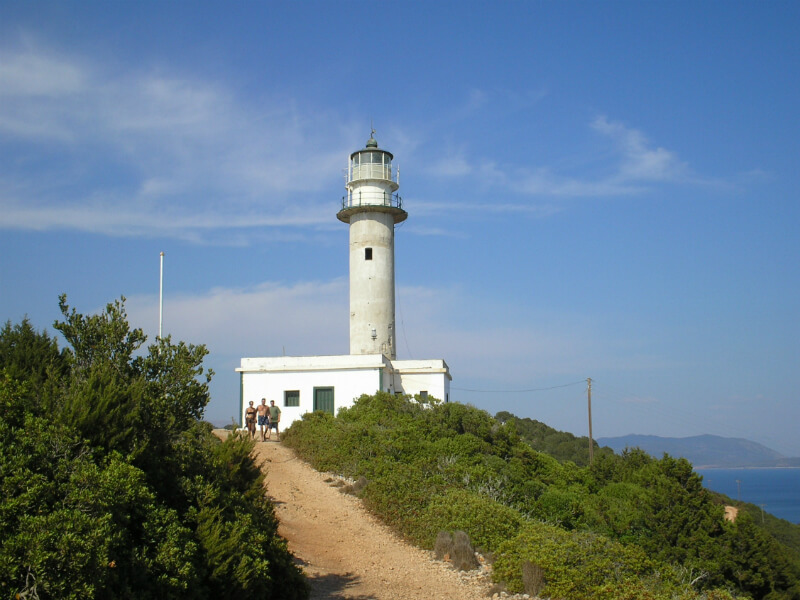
347, 386
271, 377
349, 376
416, 376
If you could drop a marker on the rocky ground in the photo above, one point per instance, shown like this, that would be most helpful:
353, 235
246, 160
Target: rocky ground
347, 553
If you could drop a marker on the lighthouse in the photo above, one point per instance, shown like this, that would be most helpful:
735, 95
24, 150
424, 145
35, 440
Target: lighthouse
372, 207
327, 383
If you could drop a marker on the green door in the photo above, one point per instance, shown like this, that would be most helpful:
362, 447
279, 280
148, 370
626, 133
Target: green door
323, 399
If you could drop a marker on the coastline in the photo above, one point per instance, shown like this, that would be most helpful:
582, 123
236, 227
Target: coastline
775, 489
718, 467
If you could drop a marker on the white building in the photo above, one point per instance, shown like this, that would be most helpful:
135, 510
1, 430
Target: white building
301, 384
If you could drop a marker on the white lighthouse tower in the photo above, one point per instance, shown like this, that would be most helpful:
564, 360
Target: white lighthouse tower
372, 207
302, 384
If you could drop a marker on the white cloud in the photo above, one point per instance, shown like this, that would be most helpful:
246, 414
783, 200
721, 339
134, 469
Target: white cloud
635, 166
543, 182
271, 319
303, 318
483, 343
498, 100
640, 161
150, 152
139, 152
451, 166
436, 232
29, 74
425, 208
151, 219
312, 318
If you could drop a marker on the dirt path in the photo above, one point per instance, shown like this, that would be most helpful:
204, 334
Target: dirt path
346, 553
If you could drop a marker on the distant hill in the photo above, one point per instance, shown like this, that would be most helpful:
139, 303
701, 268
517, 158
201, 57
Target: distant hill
705, 450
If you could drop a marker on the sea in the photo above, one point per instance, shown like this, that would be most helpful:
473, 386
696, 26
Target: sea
777, 491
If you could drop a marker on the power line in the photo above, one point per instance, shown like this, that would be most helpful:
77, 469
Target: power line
526, 391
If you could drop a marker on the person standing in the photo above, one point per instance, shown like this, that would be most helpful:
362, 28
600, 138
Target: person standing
274, 419
250, 419
263, 418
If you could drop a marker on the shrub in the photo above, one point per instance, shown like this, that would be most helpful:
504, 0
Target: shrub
559, 507
451, 467
399, 493
585, 566
575, 565
487, 522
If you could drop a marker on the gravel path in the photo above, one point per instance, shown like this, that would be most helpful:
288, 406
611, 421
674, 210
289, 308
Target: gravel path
345, 552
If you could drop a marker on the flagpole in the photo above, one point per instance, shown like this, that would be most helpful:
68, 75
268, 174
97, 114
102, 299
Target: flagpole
161, 297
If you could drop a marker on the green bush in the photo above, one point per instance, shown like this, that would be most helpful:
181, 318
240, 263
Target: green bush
575, 565
615, 511
627, 526
487, 523
561, 445
400, 493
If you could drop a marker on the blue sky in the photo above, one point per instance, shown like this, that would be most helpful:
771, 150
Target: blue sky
604, 190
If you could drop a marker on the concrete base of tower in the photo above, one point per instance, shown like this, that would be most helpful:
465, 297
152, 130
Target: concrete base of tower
302, 384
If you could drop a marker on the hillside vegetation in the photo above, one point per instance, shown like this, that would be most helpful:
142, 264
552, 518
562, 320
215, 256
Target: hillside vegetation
561, 445
628, 526
112, 487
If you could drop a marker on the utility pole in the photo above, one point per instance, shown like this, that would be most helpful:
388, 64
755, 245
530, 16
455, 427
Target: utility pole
591, 440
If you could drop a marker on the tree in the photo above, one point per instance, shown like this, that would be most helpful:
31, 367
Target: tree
130, 403
112, 487
33, 357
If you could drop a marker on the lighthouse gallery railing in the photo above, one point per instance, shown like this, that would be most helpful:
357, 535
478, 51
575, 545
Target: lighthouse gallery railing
371, 198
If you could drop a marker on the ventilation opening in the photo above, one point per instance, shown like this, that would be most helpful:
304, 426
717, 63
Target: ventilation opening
367, 253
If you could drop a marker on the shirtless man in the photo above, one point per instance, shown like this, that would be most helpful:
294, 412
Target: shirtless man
250, 419
263, 418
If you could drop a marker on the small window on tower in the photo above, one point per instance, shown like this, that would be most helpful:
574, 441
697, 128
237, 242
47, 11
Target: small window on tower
367, 253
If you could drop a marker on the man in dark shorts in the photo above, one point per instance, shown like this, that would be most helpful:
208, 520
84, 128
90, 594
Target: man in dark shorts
274, 419
250, 419
263, 418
